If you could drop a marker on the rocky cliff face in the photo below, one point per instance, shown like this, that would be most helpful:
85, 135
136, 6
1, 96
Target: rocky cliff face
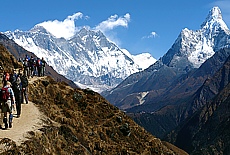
8, 61
184, 86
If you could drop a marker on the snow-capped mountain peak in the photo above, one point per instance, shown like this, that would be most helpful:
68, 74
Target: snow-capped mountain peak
193, 48
144, 60
214, 13
87, 58
214, 20
41, 29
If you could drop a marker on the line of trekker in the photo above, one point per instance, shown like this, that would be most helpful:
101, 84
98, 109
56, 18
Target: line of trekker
15, 88
33, 66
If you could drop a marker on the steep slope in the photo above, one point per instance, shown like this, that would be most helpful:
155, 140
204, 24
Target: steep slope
7, 60
87, 58
190, 50
187, 96
80, 121
19, 52
207, 131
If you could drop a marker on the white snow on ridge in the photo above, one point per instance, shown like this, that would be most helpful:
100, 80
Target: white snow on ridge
141, 97
202, 52
87, 58
214, 20
98, 88
144, 60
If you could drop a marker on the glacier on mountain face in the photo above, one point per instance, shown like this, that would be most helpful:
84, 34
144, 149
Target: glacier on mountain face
87, 58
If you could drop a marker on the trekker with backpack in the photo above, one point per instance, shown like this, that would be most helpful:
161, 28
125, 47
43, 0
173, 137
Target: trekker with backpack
8, 101
6, 77
24, 82
39, 66
32, 63
26, 67
13, 76
17, 88
43, 66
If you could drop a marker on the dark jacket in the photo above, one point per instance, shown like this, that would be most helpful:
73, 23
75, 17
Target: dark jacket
24, 81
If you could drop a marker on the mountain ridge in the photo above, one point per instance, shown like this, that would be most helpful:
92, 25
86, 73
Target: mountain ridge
88, 57
164, 120
190, 50
211, 119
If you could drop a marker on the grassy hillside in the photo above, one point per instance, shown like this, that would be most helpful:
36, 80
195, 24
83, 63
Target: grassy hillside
80, 122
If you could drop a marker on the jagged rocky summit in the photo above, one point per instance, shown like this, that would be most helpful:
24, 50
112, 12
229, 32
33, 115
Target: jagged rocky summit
193, 48
87, 58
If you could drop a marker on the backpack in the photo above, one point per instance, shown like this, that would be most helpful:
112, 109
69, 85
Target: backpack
39, 62
5, 94
13, 78
17, 86
25, 63
31, 62
24, 81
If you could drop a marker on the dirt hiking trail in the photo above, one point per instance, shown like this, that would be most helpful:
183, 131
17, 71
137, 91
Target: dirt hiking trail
30, 120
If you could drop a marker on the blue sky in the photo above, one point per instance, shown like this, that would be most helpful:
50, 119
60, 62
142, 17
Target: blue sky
138, 26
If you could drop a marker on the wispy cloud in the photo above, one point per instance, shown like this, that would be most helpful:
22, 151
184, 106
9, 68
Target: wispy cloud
113, 22
153, 34
64, 28
67, 28
108, 26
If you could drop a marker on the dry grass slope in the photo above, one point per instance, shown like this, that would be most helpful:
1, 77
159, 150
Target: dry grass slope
82, 122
